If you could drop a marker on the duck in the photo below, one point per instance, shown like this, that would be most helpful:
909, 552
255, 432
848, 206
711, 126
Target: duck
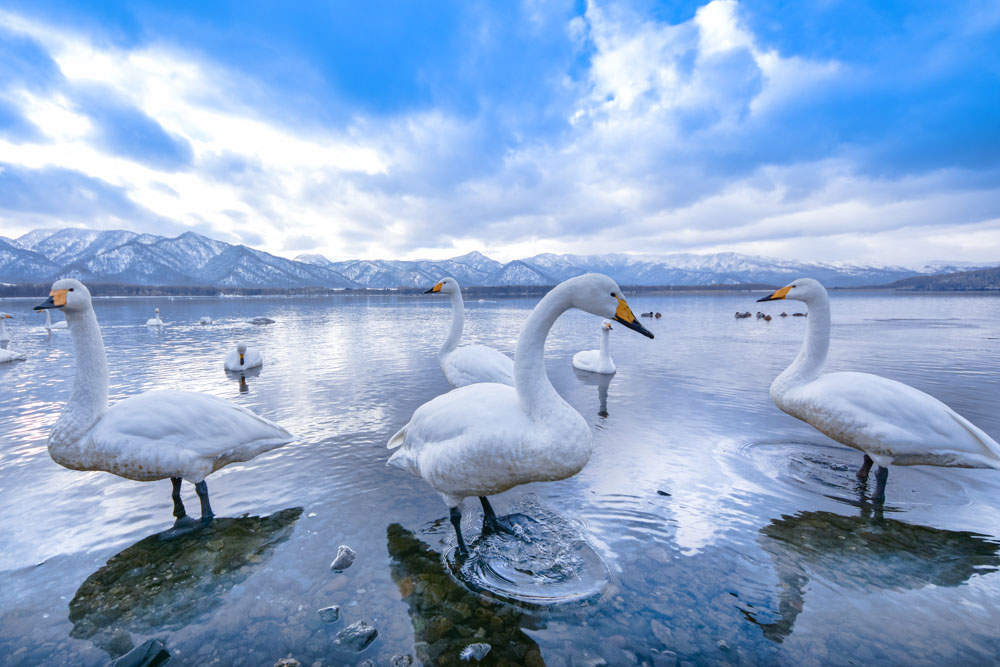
891, 422
597, 361
4, 335
243, 357
488, 437
166, 434
155, 320
659, 315
52, 326
649, 314
468, 364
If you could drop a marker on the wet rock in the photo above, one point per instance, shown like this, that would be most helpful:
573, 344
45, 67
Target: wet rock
330, 614
722, 644
366, 663
662, 493
287, 662
345, 558
148, 654
475, 651
356, 636
261, 320
401, 660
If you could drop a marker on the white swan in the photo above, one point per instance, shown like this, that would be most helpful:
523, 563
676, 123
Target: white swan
485, 438
468, 364
50, 325
596, 361
151, 436
4, 336
155, 320
892, 423
243, 357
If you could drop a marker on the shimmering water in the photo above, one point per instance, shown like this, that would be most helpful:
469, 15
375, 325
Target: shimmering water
726, 530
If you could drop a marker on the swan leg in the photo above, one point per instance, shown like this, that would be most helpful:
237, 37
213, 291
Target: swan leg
881, 475
491, 524
206, 509
176, 495
456, 520
865, 468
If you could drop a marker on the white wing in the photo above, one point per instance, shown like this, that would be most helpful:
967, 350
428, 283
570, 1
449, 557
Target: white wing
477, 363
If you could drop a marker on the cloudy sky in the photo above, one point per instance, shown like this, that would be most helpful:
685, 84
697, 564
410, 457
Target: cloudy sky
807, 130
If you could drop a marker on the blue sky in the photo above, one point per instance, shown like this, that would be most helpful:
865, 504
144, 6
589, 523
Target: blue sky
829, 131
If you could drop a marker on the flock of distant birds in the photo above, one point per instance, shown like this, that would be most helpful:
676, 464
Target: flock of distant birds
502, 425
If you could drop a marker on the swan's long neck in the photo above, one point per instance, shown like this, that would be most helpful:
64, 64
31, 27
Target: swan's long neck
809, 363
605, 334
537, 395
89, 398
3, 328
457, 323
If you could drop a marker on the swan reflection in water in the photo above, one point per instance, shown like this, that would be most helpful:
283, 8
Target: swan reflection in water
447, 617
603, 381
241, 377
866, 553
157, 584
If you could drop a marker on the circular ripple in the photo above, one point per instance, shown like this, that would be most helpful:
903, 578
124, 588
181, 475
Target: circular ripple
829, 470
547, 562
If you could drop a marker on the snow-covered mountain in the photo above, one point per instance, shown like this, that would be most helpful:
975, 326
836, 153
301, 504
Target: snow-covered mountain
117, 256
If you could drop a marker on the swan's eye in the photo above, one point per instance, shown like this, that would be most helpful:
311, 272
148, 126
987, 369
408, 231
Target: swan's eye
70, 289
614, 295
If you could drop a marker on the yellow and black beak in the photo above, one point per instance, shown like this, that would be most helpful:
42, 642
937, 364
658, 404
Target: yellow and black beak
436, 288
778, 295
57, 299
625, 316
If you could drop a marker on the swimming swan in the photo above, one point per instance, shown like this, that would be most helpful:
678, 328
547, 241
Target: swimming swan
488, 437
4, 336
596, 361
49, 325
155, 320
243, 357
151, 436
892, 423
468, 364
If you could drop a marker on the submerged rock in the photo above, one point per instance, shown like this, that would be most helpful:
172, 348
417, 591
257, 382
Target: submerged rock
475, 651
287, 662
149, 654
345, 558
261, 320
330, 614
356, 636
401, 660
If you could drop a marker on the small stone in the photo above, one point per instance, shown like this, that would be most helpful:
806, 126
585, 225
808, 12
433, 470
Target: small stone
287, 662
366, 663
401, 660
475, 651
722, 644
662, 493
148, 654
261, 320
330, 614
356, 636
345, 558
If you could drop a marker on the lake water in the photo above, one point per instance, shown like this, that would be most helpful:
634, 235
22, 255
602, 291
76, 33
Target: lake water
726, 530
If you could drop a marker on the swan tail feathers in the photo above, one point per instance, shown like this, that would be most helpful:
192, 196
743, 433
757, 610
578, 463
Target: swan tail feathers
990, 446
397, 440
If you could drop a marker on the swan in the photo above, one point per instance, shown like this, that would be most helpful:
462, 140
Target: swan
50, 325
243, 357
150, 436
155, 320
596, 361
4, 336
468, 364
485, 438
891, 422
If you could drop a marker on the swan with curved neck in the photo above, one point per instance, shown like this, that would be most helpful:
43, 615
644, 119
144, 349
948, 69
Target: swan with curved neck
150, 436
243, 357
4, 336
891, 422
597, 361
468, 364
485, 438
50, 325
155, 320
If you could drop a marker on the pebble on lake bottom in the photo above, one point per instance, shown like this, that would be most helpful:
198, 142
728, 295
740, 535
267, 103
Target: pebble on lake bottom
330, 614
287, 662
401, 660
147, 654
356, 636
475, 651
345, 558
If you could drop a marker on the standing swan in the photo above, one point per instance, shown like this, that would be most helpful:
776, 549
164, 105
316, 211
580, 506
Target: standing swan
889, 421
468, 364
243, 357
596, 361
155, 320
486, 438
49, 325
151, 436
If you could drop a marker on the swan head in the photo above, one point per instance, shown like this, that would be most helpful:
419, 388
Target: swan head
241, 349
599, 295
68, 294
445, 286
606, 324
802, 289
157, 311
6, 316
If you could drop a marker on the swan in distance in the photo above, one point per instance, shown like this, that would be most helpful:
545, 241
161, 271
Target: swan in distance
155, 320
205, 319
488, 437
596, 361
4, 336
468, 364
243, 357
151, 436
891, 422
50, 325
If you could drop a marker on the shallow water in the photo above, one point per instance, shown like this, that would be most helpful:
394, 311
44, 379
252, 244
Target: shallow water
724, 529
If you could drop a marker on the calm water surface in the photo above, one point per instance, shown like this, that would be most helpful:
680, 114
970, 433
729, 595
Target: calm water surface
728, 531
